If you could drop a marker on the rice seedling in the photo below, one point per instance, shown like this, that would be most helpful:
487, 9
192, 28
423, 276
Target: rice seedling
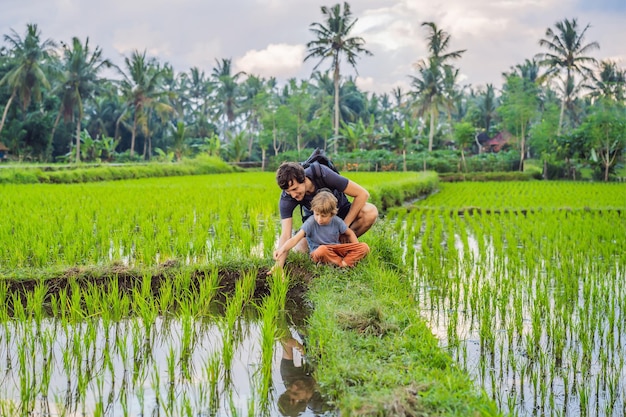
187, 342
270, 310
212, 372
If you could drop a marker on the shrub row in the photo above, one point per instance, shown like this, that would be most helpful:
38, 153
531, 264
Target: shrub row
441, 161
490, 176
73, 174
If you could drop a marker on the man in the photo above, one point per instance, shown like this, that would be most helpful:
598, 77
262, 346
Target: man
300, 185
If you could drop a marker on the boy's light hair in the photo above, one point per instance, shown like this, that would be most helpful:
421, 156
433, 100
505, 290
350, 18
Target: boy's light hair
324, 203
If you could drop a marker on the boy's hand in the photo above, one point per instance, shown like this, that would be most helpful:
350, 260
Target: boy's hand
275, 268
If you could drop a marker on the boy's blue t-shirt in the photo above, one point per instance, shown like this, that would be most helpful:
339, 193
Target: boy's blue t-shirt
327, 234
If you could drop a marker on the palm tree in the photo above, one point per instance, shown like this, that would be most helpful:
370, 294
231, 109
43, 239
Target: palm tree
530, 70
430, 85
322, 92
407, 132
487, 105
80, 80
196, 91
334, 41
566, 57
255, 98
143, 92
29, 57
226, 92
609, 81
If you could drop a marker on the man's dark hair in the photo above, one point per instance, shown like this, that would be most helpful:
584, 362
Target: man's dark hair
288, 172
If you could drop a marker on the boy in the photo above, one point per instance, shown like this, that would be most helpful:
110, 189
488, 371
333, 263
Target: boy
323, 232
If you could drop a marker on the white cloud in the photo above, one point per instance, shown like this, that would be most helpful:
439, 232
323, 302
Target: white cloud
279, 60
371, 85
267, 37
142, 37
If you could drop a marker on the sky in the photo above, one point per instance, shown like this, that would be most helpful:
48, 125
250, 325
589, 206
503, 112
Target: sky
268, 38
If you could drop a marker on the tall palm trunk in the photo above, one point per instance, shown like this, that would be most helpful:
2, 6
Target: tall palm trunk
54, 126
6, 109
431, 134
263, 153
336, 121
78, 139
133, 136
79, 119
522, 147
558, 128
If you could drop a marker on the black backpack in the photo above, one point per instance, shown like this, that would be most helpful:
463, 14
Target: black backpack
320, 157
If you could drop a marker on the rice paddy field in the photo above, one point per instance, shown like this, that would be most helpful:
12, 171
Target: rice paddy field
112, 302
115, 297
523, 283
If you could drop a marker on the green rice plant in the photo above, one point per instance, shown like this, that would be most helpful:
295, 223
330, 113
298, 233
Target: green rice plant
26, 379
121, 348
47, 368
208, 288
270, 310
228, 352
155, 383
212, 370
99, 408
119, 303
166, 297
268, 242
35, 302
232, 407
171, 366
182, 286
145, 305
201, 399
9, 408
142, 343
185, 408
187, 342
4, 302
76, 311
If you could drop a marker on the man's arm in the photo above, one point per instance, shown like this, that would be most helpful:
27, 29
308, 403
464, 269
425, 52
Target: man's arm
350, 235
360, 196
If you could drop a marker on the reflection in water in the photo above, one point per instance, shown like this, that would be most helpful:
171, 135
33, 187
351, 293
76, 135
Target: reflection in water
301, 396
174, 366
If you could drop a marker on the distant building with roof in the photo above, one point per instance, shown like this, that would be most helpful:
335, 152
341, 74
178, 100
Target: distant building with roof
494, 144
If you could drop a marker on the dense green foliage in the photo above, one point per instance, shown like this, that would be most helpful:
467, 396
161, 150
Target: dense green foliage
547, 107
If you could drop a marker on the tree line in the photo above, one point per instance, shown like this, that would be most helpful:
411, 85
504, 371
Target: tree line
561, 106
